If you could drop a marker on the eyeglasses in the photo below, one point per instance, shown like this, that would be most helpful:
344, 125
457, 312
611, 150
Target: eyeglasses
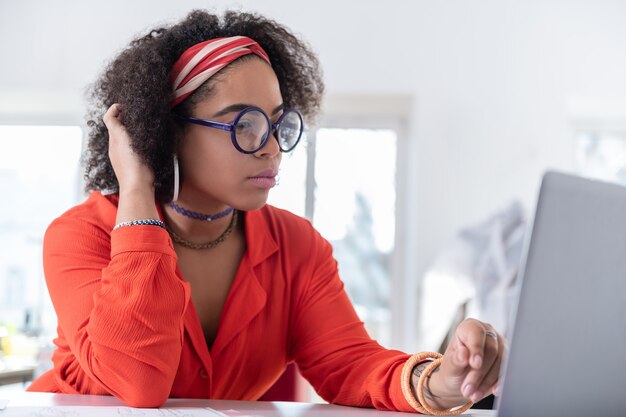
251, 128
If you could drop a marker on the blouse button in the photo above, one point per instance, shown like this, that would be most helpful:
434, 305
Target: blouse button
203, 374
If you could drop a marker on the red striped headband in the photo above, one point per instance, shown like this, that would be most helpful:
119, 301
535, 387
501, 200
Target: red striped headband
198, 63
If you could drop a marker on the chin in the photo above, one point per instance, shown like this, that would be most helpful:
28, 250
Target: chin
250, 205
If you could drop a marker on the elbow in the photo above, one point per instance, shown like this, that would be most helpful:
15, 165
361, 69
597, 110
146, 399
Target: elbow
146, 402
138, 384
146, 393
145, 398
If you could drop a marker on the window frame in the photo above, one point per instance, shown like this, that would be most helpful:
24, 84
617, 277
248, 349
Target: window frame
381, 112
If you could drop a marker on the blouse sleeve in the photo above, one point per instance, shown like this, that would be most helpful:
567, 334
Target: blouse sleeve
119, 305
331, 347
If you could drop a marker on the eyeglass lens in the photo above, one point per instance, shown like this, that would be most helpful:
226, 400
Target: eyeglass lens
252, 129
289, 130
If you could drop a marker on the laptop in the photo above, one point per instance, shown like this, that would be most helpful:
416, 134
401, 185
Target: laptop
567, 353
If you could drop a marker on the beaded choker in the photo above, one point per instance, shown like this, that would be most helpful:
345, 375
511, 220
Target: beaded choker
206, 245
199, 216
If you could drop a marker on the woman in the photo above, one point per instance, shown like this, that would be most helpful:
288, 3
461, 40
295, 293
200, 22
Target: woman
175, 279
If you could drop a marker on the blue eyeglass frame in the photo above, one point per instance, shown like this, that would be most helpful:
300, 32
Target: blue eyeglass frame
230, 127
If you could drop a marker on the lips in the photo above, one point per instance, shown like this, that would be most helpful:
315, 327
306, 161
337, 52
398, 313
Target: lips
268, 173
265, 179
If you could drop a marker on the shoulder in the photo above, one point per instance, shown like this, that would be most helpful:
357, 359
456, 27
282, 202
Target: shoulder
96, 214
278, 218
283, 224
292, 233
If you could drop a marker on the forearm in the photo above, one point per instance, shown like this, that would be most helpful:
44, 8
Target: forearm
120, 306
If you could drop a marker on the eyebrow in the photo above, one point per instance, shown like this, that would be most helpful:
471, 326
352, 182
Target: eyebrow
240, 106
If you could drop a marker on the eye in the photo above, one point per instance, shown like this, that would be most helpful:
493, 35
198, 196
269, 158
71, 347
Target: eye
243, 124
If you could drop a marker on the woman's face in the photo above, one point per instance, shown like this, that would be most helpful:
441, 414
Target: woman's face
213, 172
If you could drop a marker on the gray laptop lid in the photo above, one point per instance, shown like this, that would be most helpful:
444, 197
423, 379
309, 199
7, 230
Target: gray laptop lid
567, 353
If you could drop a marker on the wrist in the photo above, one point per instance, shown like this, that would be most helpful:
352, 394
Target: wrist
439, 395
136, 203
136, 188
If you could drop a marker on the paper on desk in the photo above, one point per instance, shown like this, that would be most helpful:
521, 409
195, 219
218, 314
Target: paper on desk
90, 411
235, 413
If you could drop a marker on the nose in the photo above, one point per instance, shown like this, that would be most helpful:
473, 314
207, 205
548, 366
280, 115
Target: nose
270, 149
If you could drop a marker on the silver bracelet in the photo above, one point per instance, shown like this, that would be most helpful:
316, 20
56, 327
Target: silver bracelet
140, 222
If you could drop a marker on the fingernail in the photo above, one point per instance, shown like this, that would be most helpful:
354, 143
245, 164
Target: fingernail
476, 396
476, 361
467, 390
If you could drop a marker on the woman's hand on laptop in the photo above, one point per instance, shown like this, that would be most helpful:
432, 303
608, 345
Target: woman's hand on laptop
470, 367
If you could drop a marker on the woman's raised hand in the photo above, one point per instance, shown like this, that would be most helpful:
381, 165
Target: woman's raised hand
135, 178
131, 172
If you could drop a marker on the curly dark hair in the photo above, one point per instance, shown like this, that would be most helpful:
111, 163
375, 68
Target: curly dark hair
138, 79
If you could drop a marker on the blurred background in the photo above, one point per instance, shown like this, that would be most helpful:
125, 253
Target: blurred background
439, 121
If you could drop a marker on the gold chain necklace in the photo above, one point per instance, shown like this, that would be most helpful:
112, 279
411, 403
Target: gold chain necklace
210, 244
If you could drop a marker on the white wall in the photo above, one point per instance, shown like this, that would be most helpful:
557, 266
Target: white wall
496, 84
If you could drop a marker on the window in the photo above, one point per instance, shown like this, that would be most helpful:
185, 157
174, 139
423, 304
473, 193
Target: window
601, 154
36, 165
354, 209
343, 179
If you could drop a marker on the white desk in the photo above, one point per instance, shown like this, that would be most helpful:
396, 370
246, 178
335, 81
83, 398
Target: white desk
229, 408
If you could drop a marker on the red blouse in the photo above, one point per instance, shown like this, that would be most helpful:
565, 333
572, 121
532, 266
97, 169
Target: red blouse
127, 327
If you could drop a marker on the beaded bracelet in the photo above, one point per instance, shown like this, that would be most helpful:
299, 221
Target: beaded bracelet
140, 222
